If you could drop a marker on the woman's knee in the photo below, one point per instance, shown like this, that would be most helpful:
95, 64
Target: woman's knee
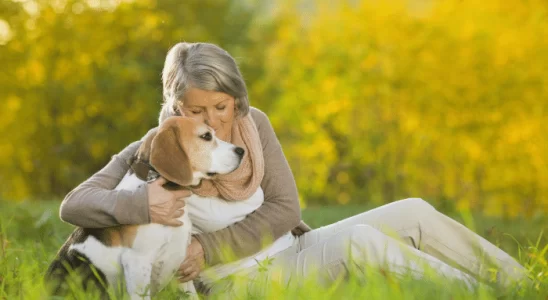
415, 205
360, 230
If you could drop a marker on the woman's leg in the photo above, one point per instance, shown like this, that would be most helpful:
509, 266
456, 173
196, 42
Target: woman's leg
359, 247
419, 225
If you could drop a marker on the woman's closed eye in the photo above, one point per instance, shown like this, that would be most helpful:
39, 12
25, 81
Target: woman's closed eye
221, 107
196, 112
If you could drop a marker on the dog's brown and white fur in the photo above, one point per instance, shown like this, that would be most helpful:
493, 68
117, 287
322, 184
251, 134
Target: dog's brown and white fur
146, 257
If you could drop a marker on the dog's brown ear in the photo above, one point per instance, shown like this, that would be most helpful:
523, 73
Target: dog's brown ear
143, 153
169, 158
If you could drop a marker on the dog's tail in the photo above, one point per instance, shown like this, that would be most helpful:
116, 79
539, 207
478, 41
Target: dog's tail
71, 268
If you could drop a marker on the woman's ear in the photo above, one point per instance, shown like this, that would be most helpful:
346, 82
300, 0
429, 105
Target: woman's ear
169, 158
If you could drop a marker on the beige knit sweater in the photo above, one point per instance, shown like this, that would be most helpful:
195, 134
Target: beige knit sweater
95, 204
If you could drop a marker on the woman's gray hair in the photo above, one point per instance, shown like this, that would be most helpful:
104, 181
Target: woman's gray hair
203, 66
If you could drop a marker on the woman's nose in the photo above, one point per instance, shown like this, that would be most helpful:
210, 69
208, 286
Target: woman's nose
211, 120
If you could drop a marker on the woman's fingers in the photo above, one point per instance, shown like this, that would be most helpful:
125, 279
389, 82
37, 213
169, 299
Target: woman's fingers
188, 271
181, 193
175, 215
189, 277
185, 265
160, 181
188, 266
179, 203
178, 213
193, 263
173, 222
177, 210
166, 206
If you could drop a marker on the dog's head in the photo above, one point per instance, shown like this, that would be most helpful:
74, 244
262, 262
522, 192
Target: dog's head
185, 151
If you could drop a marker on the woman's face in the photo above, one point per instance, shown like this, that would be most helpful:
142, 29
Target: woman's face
215, 109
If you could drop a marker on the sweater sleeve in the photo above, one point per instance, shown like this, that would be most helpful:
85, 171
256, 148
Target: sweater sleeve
95, 204
279, 213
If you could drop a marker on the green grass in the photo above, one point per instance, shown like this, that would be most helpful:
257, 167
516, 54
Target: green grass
31, 233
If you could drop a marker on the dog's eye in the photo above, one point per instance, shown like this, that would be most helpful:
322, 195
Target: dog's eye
206, 136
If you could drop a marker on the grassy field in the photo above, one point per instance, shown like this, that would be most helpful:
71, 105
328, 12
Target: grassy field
31, 233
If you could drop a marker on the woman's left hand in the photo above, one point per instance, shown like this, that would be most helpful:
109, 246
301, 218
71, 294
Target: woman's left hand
194, 261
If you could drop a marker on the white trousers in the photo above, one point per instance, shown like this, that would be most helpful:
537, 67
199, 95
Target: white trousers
405, 235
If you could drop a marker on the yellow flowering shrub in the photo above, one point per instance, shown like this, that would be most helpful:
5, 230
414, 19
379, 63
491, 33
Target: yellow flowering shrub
382, 100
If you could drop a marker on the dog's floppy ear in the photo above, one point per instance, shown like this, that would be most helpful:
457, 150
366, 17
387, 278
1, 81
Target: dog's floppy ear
143, 153
169, 158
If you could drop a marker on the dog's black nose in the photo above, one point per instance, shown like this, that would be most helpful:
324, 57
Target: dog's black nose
240, 151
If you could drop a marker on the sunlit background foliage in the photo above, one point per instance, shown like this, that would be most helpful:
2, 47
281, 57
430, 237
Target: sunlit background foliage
372, 101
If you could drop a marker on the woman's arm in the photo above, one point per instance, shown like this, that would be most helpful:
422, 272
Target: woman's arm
279, 213
95, 204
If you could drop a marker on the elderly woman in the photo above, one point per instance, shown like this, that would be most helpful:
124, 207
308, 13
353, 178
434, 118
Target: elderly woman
202, 81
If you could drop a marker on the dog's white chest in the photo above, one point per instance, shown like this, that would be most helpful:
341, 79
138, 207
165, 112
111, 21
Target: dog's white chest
166, 246
211, 214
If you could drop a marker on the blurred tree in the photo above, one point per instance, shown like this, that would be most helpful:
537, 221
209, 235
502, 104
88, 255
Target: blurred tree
383, 100
372, 101
81, 79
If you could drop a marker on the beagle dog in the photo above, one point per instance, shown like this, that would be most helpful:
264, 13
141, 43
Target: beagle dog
145, 258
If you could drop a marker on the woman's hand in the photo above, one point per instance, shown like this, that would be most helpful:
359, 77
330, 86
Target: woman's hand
194, 261
165, 206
